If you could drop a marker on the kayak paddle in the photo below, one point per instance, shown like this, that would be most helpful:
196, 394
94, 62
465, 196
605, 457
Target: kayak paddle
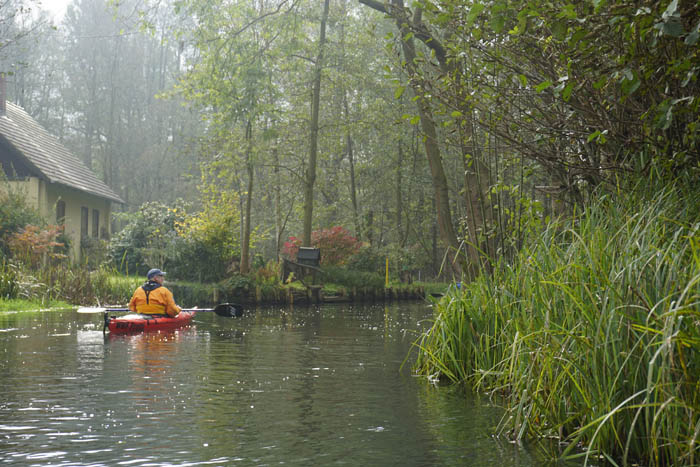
229, 310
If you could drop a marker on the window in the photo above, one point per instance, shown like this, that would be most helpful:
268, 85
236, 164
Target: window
60, 212
95, 223
84, 213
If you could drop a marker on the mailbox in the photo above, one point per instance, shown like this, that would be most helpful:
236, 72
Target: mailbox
309, 256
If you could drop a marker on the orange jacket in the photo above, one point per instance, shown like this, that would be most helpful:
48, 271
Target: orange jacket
159, 301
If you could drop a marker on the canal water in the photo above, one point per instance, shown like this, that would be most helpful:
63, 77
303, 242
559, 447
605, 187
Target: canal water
328, 385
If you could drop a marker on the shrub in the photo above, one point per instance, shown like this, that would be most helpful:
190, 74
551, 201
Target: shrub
367, 259
148, 240
94, 252
15, 214
210, 245
189, 294
35, 246
336, 244
267, 276
195, 260
349, 278
236, 288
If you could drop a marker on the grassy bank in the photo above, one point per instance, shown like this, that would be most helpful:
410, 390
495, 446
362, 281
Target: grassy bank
593, 337
17, 304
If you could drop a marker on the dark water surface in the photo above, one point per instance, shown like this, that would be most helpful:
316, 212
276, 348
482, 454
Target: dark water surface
302, 386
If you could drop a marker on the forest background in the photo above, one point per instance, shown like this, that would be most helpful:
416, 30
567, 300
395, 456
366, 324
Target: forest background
239, 124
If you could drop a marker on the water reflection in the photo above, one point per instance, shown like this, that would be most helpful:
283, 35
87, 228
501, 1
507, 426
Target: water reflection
301, 386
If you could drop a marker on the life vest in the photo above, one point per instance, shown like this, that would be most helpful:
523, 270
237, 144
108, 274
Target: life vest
153, 299
149, 287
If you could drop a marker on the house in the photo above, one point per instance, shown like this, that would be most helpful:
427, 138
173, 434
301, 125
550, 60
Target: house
54, 181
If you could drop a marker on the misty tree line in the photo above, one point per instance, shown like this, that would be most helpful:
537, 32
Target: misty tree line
424, 127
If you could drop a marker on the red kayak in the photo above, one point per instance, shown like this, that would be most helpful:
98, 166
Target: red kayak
146, 323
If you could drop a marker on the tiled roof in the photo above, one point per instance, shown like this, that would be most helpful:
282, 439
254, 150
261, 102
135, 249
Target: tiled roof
48, 155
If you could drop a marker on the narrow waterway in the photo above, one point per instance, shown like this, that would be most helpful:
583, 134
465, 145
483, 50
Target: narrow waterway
301, 386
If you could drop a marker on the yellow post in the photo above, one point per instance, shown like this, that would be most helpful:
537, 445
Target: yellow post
386, 281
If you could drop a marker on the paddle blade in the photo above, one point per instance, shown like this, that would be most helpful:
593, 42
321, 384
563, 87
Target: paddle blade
87, 309
97, 309
229, 310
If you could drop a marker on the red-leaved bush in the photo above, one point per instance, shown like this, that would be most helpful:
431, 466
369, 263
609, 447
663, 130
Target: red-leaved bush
336, 244
34, 245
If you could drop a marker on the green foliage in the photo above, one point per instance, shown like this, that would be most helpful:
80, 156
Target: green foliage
191, 294
15, 214
367, 259
349, 278
201, 247
625, 71
148, 240
592, 336
94, 252
237, 285
209, 240
108, 286
403, 261
38, 305
9, 281
267, 277
433, 288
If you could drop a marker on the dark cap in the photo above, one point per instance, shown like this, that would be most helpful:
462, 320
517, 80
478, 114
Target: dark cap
154, 272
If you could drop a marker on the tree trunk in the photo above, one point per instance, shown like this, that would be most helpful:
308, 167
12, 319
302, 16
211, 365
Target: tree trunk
313, 150
457, 262
349, 146
278, 203
476, 181
245, 241
396, 9
399, 197
353, 189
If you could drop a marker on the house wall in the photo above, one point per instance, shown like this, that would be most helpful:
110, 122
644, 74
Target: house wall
45, 196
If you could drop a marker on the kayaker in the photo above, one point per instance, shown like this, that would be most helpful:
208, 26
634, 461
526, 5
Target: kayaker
152, 298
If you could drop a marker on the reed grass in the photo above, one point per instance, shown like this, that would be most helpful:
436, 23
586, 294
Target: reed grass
592, 337
66, 283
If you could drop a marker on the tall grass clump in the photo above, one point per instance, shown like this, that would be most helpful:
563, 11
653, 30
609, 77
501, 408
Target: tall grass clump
593, 336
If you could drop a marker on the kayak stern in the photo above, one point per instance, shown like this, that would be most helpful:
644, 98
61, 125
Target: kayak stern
134, 322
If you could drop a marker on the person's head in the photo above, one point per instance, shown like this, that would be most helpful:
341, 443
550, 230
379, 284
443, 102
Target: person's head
155, 275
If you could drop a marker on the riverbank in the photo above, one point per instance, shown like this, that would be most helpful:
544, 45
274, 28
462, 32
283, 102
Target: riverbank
117, 289
211, 294
17, 304
592, 338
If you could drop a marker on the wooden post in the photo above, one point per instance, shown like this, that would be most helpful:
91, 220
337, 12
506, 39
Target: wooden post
315, 293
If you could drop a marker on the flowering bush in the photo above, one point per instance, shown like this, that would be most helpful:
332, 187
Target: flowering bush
291, 248
336, 244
